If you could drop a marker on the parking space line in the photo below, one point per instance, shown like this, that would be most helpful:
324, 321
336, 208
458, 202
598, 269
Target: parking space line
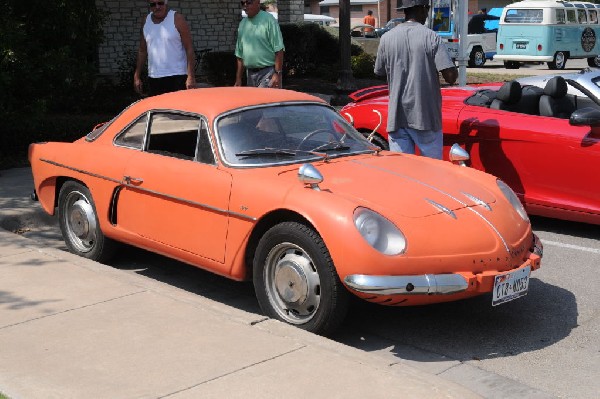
570, 246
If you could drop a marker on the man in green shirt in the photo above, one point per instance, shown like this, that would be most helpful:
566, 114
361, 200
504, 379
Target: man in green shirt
259, 47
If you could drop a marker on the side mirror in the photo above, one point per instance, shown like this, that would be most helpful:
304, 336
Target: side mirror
585, 117
458, 155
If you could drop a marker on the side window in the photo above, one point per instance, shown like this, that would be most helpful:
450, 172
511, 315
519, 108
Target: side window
133, 136
173, 135
571, 17
593, 16
560, 16
581, 17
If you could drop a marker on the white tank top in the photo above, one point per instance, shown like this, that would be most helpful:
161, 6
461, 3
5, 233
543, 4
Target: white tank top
166, 55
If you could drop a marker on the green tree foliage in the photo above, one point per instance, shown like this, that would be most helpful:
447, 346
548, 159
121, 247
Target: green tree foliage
48, 54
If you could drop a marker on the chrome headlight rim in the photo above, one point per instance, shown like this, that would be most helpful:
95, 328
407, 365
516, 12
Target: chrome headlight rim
512, 198
380, 233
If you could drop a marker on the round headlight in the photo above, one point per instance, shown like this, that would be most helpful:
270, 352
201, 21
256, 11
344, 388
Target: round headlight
513, 199
379, 232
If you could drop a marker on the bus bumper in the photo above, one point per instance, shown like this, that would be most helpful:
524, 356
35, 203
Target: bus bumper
524, 58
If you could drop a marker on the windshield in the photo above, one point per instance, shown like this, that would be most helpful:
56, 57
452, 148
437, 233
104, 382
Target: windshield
286, 134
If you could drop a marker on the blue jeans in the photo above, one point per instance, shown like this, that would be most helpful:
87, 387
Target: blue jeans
429, 142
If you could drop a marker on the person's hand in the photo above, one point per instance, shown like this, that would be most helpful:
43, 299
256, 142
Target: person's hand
238, 82
137, 85
190, 82
275, 81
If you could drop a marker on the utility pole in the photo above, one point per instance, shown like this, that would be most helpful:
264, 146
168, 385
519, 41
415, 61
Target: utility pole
345, 83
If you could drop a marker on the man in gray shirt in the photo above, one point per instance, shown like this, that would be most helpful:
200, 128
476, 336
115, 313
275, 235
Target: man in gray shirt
411, 56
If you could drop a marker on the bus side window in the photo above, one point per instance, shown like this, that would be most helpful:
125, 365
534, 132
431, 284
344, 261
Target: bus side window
560, 16
571, 17
581, 17
593, 16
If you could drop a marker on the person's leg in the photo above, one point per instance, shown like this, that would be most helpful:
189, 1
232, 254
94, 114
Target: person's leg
400, 141
430, 143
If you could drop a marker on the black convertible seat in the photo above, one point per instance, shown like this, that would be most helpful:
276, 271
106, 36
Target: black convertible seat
530, 100
554, 102
482, 98
508, 97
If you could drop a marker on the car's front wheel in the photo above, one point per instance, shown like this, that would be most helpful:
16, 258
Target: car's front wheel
79, 223
295, 279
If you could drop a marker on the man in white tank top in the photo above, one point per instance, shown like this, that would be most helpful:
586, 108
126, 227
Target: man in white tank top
166, 42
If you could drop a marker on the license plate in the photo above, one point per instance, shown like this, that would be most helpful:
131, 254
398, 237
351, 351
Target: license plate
521, 46
510, 286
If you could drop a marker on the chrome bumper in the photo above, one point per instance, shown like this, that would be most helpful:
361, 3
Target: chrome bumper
425, 284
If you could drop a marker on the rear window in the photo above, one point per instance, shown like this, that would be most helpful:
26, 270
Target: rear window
524, 16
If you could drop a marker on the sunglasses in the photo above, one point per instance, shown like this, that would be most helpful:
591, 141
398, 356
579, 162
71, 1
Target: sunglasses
156, 3
246, 2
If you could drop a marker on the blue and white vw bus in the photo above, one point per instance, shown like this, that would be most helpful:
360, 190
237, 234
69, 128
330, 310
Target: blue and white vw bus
548, 31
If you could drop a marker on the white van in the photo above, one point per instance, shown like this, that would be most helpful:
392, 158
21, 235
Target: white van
313, 18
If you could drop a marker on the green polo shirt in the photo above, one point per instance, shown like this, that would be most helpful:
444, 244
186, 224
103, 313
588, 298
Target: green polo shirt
258, 39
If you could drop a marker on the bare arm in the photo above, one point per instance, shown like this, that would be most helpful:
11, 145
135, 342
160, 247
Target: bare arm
239, 71
276, 78
186, 39
141, 61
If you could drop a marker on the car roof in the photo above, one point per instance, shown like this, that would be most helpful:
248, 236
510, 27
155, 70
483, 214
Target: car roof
217, 100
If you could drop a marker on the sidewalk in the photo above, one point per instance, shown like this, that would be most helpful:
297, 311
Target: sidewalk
73, 328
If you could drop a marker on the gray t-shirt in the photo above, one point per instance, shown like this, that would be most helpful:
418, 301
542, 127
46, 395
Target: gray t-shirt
411, 56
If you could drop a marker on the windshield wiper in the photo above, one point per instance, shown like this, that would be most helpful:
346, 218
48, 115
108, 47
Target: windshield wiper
332, 146
259, 152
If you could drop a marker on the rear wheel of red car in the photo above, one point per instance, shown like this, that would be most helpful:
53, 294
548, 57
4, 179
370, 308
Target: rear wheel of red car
295, 279
79, 223
377, 140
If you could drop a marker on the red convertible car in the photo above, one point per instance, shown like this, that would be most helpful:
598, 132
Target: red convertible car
276, 187
541, 136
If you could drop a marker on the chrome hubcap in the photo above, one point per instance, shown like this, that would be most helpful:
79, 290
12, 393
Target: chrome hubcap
80, 221
292, 282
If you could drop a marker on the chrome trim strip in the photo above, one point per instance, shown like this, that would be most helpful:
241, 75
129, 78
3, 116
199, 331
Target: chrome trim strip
477, 201
441, 207
443, 193
122, 183
424, 284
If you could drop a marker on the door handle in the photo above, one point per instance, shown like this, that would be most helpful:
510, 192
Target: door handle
133, 180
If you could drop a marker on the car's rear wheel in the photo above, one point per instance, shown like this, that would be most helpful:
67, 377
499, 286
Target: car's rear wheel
377, 140
477, 57
594, 61
295, 279
559, 62
79, 223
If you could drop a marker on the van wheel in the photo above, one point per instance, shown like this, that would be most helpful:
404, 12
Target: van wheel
594, 61
477, 58
512, 65
559, 62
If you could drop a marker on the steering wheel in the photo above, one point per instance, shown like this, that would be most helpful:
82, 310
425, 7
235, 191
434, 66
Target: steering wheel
313, 133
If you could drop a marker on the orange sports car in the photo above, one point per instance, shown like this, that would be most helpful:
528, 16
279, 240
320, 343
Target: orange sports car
275, 186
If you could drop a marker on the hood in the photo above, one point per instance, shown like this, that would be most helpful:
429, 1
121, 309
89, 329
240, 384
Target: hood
407, 185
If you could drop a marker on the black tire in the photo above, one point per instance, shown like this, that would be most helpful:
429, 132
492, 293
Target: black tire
594, 62
295, 279
560, 60
79, 223
476, 58
378, 140
512, 65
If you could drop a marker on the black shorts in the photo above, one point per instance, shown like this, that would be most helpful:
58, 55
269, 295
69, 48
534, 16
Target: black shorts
167, 84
